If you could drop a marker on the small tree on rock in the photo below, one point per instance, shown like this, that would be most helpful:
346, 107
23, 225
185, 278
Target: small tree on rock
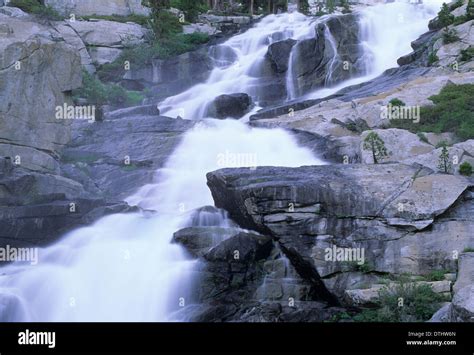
444, 163
445, 17
376, 145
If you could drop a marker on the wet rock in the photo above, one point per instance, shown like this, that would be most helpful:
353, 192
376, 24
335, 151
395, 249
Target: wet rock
98, 163
241, 248
199, 240
230, 106
36, 209
279, 54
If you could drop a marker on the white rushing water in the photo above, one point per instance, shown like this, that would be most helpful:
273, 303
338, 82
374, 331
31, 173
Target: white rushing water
387, 31
124, 268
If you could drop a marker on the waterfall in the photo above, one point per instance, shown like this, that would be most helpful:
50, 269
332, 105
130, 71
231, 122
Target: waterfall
387, 31
123, 267
244, 55
335, 56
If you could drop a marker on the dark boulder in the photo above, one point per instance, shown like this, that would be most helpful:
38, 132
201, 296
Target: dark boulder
243, 247
279, 54
199, 240
230, 106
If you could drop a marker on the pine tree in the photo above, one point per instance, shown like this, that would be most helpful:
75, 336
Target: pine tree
445, 17
470, 10
346, 7
444, 163
376, 145
331, 6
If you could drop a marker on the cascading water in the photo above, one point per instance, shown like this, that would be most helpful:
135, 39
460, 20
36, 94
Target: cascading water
386, 31
243, 55
124, 268
335, 56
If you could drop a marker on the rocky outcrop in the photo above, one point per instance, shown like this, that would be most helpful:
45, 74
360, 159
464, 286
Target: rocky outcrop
34, 70
279, 54
171, 76
332, 56
98, 41
463, 302
226, 24
405, 218
230, 106
447, 54
115, 168
36, 209
245, 278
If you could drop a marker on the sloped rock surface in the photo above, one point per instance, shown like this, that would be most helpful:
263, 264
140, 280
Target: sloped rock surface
405, 218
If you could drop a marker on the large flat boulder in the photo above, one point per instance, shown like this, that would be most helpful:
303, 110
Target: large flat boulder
406, 219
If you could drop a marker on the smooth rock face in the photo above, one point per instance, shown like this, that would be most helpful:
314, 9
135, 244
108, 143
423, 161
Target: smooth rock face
36, 76
463, 305
172, 76
466, 271
93, 7
98, 162
36, 209
279, 54
400, 145
104, 33
404, 218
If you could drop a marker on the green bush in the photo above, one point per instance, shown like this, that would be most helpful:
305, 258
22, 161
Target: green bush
453, 111
432, 58
92, 90
191, 8
468, 250
436, 275
98, 93
37, 8
450, 36
422, 137
143, 54
165, 24
465, 169
397, 102
29, 6
420, 302
467, 54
